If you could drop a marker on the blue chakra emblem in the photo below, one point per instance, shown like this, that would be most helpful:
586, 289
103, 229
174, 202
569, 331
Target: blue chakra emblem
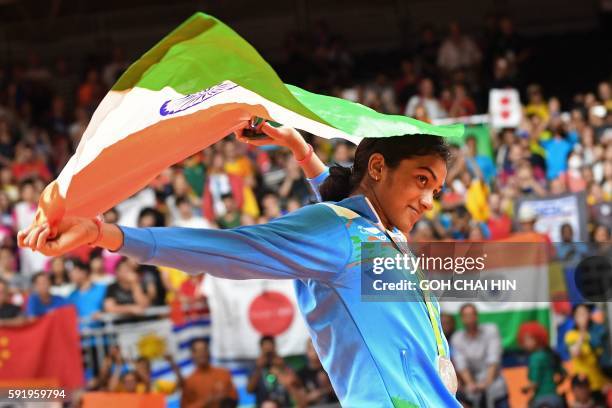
173, 106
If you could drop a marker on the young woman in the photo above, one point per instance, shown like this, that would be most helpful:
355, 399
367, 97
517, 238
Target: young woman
586, 346
545, 370
382, 354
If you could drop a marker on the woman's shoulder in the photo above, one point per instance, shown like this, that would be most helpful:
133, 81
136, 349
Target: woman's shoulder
315, 214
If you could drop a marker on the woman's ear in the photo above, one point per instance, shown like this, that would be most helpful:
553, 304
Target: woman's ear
375, 166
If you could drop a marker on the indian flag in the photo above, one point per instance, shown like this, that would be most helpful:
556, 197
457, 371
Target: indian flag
524, 260
197, 85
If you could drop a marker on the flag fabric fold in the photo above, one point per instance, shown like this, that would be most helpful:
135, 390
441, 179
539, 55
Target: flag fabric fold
197, 85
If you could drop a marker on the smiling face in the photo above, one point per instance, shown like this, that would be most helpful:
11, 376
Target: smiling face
403, 194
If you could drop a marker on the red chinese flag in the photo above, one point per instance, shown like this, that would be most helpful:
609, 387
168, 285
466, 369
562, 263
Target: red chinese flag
47, 348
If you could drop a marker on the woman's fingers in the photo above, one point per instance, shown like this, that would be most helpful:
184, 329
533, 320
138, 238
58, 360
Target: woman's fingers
22, 235
32, 237
271, 131
256, 142
42, 238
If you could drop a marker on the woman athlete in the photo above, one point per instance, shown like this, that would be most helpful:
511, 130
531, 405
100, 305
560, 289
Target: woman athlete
377, 353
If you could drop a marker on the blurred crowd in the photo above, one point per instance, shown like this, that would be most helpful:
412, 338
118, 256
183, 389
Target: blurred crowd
558, 148
580, 365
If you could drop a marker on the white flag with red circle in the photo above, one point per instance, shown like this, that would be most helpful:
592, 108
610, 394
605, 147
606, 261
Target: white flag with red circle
244, 311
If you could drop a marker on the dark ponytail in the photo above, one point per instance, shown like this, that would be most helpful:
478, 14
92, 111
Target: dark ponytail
338, 185
342, 181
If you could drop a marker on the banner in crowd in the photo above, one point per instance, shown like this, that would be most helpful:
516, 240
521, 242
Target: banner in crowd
196, 86
47, 348
152, 340
505, 108
553, 212
244, 311
509, 309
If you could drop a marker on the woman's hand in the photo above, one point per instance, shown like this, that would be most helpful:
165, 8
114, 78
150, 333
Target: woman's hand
291, 139
70, 233
281, 136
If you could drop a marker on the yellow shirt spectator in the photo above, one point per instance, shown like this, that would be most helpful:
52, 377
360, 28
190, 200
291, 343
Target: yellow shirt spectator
586, 362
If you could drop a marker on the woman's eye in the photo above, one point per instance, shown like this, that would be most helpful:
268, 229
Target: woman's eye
422, 180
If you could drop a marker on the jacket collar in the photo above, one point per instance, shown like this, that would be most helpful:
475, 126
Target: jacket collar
362, 206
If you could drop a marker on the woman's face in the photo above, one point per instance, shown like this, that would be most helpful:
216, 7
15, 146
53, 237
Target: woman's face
601, 235
407, 191
582, 317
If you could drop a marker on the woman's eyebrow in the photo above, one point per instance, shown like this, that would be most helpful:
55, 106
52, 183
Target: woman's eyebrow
429, 170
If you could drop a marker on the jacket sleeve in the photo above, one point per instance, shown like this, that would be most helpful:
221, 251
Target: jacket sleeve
316, 182
311, 243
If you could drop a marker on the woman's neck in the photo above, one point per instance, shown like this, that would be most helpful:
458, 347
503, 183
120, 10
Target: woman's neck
370, 194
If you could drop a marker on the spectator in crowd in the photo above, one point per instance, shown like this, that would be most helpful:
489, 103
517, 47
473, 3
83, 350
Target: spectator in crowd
426, 52
460, 223
126, 295
557, 150
128, 382
220, 183
272, 379
207, 386
545, 371
28, 165
186, 217
142, 367
527, 218
601, 240
87, 297
111, 363
113, 70
585, 344
407, 84
90, 92
448, 326
17, 283
462, 104
60, 282
315, 382
41, 301
98, 273
499, 223
23, 215
510, 45
149, 275
477, 351
233, 216
484, 162
294, 184
458, 52
10, 314
427, 99
271, 208
581, 389
570, 250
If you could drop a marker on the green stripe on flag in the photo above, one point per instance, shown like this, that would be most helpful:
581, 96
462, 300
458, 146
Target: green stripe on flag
203, 52
362, 121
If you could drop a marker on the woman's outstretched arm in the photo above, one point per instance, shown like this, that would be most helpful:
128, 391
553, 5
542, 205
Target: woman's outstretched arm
309, 243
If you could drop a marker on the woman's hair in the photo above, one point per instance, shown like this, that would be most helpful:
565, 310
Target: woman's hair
342, 181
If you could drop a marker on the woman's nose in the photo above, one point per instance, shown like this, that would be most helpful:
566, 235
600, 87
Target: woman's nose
427, 201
